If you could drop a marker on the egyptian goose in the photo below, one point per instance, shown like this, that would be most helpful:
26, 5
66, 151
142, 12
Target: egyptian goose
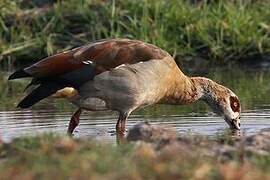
123, 75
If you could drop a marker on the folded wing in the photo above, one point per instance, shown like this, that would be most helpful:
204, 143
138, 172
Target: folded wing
77, 66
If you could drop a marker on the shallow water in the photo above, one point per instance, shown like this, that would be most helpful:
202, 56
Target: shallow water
253, 88
19, 123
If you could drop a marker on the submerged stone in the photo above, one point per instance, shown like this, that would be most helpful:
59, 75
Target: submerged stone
164, 139
149, 133
259, 143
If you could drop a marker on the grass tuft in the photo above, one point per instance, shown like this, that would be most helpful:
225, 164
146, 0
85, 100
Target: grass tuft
51, 156
221, 31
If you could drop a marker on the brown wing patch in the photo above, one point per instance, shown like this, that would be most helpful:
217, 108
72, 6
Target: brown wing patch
112, 53
54, 65
106, 55
235, 105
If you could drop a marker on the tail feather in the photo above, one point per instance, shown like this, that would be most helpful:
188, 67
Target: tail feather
19, 74
41, 92
32, 83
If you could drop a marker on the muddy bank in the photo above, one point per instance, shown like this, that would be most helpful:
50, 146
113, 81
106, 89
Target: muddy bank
227, 147
153, 152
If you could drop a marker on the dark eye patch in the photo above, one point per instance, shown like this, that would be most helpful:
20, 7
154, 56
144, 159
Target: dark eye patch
235, 105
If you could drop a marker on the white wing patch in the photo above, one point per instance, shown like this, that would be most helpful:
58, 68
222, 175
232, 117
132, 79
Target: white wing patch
87, 62
122, 65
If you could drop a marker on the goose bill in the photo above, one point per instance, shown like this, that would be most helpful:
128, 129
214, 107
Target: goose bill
233, 123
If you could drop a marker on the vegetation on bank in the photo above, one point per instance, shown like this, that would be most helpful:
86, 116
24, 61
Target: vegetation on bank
51, 156
220, 31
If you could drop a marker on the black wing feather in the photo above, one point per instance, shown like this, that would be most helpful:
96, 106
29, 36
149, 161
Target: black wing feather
19, 74
49, 86
41, 92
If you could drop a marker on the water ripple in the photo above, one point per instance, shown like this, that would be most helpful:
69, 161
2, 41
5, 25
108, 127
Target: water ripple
31, 122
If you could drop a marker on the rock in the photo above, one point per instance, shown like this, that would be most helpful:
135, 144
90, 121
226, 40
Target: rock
151, 133
259, 143
166, 140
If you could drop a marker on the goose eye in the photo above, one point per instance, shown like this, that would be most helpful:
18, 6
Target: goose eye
235, 105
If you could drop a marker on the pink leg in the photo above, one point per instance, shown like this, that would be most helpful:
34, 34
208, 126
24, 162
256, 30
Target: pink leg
74, 121
121, 124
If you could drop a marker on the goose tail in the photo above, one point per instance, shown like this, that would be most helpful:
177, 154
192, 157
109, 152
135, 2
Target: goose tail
42, 91
19, 74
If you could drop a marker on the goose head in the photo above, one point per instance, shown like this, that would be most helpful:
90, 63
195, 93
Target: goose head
226, 104
221, 100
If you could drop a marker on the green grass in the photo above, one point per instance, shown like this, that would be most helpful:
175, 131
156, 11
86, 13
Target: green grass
51, 156
221, 31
